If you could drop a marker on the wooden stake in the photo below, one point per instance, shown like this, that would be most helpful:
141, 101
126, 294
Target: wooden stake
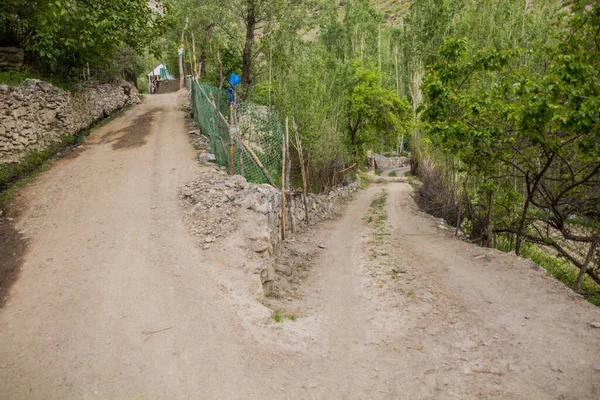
231, 140
283, 184
291, 213
288, 159
257, 161
302, 169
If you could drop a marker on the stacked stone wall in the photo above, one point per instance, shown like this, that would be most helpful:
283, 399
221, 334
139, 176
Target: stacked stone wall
37, 113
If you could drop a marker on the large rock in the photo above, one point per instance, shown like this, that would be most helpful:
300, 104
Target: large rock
207, 157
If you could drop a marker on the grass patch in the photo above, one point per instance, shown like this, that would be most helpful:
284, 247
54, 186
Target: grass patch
365, 180
379, 200
377, 216
280, 315
17, 78
562, 270
393, 174
378, 171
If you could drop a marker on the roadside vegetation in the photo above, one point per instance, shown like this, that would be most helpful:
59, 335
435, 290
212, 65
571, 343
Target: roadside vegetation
69, 41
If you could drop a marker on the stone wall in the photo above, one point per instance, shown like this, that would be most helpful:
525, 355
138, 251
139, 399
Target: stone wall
391, 162
318, 207
37, 113
223, 210
214, 200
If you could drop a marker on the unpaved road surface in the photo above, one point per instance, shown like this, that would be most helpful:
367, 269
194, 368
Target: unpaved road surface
116, 300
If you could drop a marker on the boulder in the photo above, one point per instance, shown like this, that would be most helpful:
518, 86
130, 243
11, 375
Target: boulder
207, 157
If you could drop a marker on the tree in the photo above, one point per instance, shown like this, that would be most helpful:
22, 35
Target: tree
65, 35
373, 112
530, 134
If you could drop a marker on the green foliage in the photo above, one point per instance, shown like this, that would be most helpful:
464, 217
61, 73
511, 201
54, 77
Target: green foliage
376, 116
522, 141
280, 315
16, 78
562, 270
277, 315
13, 78
64, 36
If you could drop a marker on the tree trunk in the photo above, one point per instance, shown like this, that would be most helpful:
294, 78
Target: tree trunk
586, 263
247, 52
181, 75
489, 223
353, 132
522, 225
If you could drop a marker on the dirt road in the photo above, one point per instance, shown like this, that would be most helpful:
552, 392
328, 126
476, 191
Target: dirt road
116, 300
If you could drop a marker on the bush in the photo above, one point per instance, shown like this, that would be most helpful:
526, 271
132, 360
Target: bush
435, 196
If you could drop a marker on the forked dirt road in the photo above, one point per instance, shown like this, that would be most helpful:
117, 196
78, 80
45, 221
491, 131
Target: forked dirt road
115, 299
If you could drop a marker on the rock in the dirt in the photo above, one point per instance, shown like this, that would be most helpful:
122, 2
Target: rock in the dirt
261, 247
284, 269
322, 246
595, 324
206, 246
246, 202
207, 157
596, 367
209, 239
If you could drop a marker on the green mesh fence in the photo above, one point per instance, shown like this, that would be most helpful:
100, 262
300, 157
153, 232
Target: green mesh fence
253, 125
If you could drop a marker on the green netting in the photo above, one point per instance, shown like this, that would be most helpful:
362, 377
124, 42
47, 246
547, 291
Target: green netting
256, 125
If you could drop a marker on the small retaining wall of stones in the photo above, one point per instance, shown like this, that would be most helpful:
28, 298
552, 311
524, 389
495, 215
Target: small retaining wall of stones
37, 113
318, 206
391, 162
218, 206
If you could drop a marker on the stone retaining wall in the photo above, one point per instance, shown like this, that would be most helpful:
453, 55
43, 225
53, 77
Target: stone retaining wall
391, 162
37, 113
217, 207
319, 207
214, 200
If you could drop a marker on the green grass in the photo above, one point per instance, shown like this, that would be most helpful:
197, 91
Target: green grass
559, 268
16, 78
393, 174
377, 216
379, 200
365, 180
279, 315
378, 171
562, 270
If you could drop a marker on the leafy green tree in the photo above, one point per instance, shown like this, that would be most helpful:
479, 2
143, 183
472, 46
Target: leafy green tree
64, 35
529, 135
374, 113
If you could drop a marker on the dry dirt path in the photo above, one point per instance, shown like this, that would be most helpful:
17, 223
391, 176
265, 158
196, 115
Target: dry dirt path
402, 309
110, 261
115, 299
